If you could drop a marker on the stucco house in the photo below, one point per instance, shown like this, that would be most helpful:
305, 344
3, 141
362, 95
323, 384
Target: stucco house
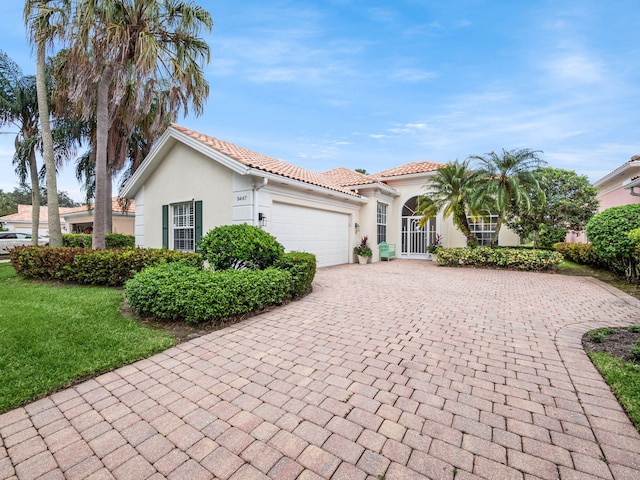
616, 187
72, 219
190, 183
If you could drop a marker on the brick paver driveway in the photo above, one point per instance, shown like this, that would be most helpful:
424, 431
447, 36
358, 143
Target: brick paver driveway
402, 368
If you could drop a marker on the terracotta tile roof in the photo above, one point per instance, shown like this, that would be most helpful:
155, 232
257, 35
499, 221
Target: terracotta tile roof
409, 169
115, 207
24, 214
347, 177
263, 162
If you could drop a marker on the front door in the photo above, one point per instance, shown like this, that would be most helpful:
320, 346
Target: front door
414, 241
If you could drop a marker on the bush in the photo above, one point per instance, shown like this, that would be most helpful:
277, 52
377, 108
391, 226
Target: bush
510, 258
111, 240
240, 246
581, 253
111, 267
302, 267
176, 292
551, 235
608, 232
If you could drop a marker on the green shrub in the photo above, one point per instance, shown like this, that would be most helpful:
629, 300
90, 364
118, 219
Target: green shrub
302, 267
551, 235
510, 258
240, 246
608, 232
112, 267
111, 240
581, 253
176, 292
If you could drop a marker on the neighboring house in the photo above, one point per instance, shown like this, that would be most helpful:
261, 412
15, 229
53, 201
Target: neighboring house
616, 187
80, 219
191, 183
20, 222
72, 219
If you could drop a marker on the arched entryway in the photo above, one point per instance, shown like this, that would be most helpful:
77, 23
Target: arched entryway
414, 241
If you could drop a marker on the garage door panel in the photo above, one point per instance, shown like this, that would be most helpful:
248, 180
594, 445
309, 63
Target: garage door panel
321, 232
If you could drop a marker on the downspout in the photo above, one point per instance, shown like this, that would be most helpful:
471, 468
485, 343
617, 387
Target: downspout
254, 205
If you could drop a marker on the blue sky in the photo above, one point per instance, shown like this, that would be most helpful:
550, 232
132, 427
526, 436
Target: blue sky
372, 84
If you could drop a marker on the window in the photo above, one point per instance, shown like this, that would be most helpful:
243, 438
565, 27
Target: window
184, 227
382, 222
483, 229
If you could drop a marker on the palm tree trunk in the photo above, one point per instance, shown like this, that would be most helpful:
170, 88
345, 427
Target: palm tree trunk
496, 233
35, 198
102, 131
108, 225
55, 232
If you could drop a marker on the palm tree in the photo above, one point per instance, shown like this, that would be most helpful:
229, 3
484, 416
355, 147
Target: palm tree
46, 19
114, 44
19, 107
454, 190
508, 178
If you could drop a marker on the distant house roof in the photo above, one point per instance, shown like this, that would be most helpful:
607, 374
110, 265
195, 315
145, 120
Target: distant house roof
118, 205
24, 214
263, 162
409, 169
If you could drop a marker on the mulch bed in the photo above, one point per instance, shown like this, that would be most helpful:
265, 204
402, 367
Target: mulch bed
619, 344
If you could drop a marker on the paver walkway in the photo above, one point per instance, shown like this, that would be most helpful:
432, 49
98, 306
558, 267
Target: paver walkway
401, 368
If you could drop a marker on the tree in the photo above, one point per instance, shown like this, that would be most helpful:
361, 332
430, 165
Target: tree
45, 19
19, 107
565, 201
116, 44
454, 190
508, 178
7, 205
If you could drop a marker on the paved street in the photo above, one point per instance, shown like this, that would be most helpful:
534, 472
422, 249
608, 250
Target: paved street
401, 368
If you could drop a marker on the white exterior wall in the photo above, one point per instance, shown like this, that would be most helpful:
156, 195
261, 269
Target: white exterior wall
184, 175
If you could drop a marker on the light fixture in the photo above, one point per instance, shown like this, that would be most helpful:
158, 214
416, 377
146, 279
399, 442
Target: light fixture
357, 225
262, 219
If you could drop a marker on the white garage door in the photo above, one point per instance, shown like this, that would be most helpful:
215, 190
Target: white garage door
323, 233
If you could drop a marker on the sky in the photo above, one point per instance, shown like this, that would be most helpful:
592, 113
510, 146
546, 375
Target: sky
376, 84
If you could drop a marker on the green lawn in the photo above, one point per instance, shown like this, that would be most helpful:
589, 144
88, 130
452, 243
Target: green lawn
51, 335
624, 380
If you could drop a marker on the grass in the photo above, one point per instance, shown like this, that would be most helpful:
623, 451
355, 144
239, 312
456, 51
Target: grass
624, 379
52, 335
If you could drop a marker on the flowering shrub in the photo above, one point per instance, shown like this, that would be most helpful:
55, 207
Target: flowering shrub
510, 258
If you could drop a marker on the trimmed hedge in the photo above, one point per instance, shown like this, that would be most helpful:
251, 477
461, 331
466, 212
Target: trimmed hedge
302, 267
111, 240
240, 246
510, 258
177, 292
609, 234
581, 253
111, 267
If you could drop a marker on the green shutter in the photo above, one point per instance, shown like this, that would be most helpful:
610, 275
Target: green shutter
198, 230
165, 226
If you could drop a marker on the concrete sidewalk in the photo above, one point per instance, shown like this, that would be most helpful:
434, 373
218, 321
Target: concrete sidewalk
400, 368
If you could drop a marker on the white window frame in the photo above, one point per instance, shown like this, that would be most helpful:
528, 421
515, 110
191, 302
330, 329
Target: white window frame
382, 210
183, 226
483, 228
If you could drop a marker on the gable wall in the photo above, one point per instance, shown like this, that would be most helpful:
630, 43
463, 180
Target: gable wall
184, 175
